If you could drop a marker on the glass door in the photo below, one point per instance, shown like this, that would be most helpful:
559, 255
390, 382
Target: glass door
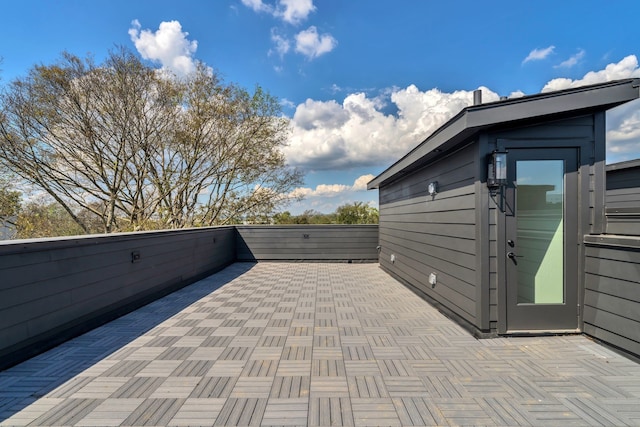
541, 247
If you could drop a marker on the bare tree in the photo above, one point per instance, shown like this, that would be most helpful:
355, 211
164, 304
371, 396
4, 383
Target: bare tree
139, 149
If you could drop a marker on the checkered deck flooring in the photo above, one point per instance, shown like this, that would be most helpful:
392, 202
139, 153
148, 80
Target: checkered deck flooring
313, 344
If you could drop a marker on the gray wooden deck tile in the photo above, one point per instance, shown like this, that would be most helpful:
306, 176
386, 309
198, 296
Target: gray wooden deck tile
213, 387
257, 387
111, 412
260, 368
374, 412
294, 367
286, 412
330, 411
68, 412
549, 412
368, 386
290, 387
328, 368
154, 412
242, 412
197, 412
417, 411
99, 388
138, 387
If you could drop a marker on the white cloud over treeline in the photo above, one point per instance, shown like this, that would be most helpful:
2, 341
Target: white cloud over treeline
168, 45
358, 131
328, 197
332, 190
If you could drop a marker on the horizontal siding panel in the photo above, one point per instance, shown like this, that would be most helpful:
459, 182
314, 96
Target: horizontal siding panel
428, 206
110, 266
611, 286
623, 226
622, 326
612, 291
450, 230
452, 217
614, 269
429, 241
464, 263
621, 306
64, 261
426, 263
574, 128
445, 294
424, 199
320, 243
451, 173
613, 338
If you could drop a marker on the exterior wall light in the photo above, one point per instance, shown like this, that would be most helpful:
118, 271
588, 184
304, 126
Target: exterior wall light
432, 189
497, 169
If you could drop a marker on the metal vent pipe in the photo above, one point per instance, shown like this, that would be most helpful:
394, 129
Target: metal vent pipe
477, 97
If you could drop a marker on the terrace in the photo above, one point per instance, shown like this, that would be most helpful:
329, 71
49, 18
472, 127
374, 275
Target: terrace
272, 343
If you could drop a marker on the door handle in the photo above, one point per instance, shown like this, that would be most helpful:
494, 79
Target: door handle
513, 255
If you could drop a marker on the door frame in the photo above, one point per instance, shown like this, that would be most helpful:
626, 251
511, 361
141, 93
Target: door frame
581, 215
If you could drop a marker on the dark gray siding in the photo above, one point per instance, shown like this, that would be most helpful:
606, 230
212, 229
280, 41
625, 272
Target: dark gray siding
53, 289
623, 198
343, 243
434, 234
612, 290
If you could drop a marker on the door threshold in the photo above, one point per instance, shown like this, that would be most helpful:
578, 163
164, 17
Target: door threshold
530, 333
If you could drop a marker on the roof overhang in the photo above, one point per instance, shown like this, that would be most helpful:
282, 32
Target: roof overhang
528, 109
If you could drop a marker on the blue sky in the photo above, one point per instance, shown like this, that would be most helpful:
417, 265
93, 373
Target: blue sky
363, 81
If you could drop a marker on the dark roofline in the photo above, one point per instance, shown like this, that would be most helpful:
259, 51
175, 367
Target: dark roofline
538, 107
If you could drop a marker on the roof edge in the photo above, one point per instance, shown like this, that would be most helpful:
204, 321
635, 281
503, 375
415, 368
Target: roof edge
472, 119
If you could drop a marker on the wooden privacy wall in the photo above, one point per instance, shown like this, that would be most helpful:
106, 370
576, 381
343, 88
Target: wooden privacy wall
612, 290
54, 289
623, 198
319, 243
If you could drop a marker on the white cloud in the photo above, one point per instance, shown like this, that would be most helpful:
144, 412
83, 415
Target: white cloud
332, 190
258, 6
539, 54
361, 182
626, 68
312, 45
326, 134
573, 60
290, 11
294, 11
168, 45
623, 132
282, 44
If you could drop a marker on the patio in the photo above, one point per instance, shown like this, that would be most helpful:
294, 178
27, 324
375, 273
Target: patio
313, 344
